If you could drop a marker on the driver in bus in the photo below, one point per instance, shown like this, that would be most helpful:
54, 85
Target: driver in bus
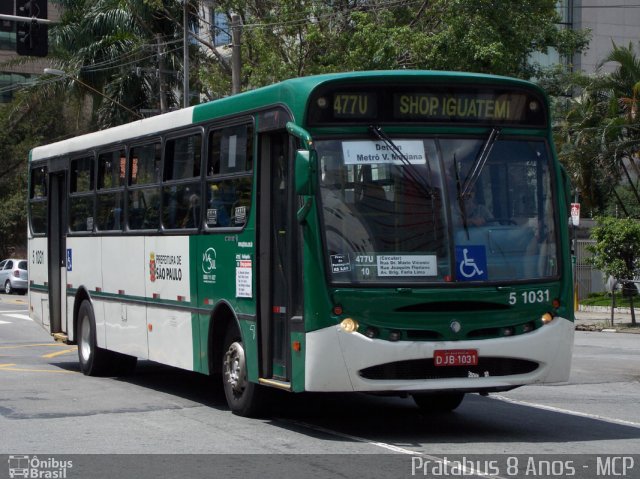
477, 213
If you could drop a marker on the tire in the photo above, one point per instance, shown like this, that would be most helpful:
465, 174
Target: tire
243, 397
7, 287
94, 361
438, 402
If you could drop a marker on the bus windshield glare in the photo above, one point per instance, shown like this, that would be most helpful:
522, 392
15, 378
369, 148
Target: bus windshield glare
395, 211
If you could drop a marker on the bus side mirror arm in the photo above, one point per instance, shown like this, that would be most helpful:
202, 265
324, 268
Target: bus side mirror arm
305, 169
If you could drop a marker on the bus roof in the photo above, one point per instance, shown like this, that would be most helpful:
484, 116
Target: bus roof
293, 93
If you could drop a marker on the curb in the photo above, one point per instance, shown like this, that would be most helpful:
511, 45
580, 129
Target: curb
604, 309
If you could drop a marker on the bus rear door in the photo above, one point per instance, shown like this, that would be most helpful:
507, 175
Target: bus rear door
57, 256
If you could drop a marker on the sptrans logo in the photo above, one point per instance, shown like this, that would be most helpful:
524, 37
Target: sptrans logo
37, 468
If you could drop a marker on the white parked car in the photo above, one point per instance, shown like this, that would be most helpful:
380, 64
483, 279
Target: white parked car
14, 276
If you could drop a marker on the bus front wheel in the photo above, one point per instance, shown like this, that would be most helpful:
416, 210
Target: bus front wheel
438, 402
243, 397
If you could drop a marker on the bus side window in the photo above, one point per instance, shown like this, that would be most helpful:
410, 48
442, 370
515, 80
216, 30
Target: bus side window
143, 202
110, 187
82, 200
181, 199
38, 200
229, 173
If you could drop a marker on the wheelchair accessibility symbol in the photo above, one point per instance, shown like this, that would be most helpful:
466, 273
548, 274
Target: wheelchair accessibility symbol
472, 262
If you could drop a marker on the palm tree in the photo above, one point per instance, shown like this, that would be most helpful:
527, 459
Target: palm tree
128, 49
600, 134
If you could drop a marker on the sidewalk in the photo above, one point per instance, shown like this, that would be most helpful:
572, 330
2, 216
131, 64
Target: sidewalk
597, 319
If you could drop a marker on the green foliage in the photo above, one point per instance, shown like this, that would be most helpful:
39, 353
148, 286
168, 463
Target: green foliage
23, 125
600, 133
616, 251
284, 39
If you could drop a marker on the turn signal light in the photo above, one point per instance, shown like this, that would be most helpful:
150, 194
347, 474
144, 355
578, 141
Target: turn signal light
555, 303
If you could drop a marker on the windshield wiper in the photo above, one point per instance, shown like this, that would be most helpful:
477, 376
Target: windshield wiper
461, 202
478, 164
379, 133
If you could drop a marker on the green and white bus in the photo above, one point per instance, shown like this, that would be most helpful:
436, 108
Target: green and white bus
396, 232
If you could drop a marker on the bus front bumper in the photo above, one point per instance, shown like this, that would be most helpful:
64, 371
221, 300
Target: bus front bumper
337, 360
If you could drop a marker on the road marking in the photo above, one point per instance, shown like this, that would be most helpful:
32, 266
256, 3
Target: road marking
467, 472
57, 345
7, 367
5, 322
59, 353
597, 417
18, 316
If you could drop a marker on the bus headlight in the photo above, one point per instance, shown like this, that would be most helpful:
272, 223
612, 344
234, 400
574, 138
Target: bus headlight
349, 325
546, 318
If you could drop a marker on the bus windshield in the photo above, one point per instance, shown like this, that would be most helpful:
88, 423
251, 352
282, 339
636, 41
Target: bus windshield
396, 210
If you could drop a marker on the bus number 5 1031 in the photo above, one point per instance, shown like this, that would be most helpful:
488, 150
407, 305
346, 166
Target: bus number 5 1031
530, 297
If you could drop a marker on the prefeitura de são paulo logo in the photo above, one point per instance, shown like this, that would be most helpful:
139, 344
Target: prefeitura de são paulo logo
152, 267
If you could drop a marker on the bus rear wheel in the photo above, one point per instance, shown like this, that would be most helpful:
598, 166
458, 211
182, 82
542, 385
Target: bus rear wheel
243, 397
94, 361
438, 402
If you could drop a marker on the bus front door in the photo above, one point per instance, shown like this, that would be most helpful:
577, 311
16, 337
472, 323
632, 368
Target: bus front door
57, 265
279, 260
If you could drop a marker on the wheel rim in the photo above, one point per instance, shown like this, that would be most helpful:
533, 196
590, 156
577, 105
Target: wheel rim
234, 369
85, 338
7, 287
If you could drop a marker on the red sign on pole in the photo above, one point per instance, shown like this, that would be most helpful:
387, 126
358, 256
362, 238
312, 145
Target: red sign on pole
575, 214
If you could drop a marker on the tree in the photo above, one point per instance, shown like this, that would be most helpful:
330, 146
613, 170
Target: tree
24, 125
129, 50
616, 252
284, 39
599, 136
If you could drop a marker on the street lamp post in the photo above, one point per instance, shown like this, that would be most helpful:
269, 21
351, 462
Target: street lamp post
60, 73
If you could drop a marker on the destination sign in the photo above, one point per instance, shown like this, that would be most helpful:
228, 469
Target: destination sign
460, 104
458, 107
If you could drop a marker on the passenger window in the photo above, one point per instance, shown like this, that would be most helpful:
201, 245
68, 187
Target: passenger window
143, 203
181, 206
81, 175
38, 200
144, 164
110, 203
144, 208
182, 157
230, 150
180, 199
111, 169
230, 179
81, 199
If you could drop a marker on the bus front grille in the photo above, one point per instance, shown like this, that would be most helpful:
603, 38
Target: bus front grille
425, 369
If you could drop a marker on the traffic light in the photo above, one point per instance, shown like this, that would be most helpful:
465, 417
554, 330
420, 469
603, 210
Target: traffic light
32, 38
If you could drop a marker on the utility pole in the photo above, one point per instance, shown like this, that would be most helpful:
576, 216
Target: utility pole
161, 75
236, 30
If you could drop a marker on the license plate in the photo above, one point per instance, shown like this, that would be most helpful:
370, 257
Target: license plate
455, 357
